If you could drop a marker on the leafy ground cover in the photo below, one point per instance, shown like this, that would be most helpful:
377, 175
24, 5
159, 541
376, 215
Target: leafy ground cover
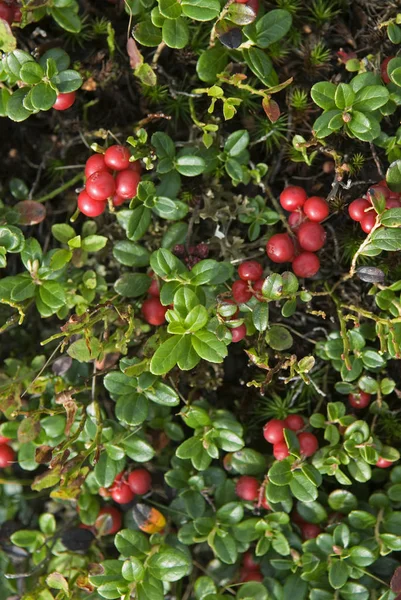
200, 235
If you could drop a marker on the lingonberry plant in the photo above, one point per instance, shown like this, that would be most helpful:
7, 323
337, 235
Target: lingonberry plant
200, 300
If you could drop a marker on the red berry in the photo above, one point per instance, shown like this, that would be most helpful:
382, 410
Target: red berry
109, 520
250, 270
7, 456
280, 451
311, 236
251, 576
249, 562
382, 463
368, 221
308, 444
265, 504
64, 101
247, 488
294, 422
280, 248
309, 531
95, 163
240, 290
154, 289
254, 5
117, 157
238, 333
257, 286
90, 207
376, 191
293, 197
393, 203
306, 264
100, 186
140, 481
6, 13
241, 1
4, 440
359, 400
383, 70
127, 183
296, 218
117, 200
17, 15
273, 431
122, 493
153, 311
357, 208
135, 166
316, 209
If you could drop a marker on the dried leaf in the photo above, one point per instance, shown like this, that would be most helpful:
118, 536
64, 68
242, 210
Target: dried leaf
30, 212
135, 57
271, 109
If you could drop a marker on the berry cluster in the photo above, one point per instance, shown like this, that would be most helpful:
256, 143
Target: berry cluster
7, 454
153, 310
109, 176
362, 209
273, 433
10, 11
194, 254
305, 220
127, 485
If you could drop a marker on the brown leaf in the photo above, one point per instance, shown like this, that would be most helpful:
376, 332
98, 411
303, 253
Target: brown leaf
10, 403
70, 407
30, 212
271, 109
135, 57
28, 430
395, 583
43, 454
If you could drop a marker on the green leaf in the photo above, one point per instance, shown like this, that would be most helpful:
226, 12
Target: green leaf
169, 564
24, 290
302, 487
208, 346
279, 338
248, 462
67, 19
280, 473
8, 42
15, 106
321, 126
234, 170
175, 33
133, 570
190, 165
147, 34
387, 239
59, 56
139, 222
138, 449
225, 548
132, 410
132, 543
63, 232
361, 556
106, 470
211, 63
391, 218
196, 319
271, 27
393, 176
31, 73
132, 285
371, 98
160, 393
237, 142
166, 265
338, 573
166, 356
363, 126
204, 272
354, 591
80, 351
52, 294
131, 254
260, 316
93, 243
259, 63
272, 288
344, 96
43, 96
201, 10
170, 9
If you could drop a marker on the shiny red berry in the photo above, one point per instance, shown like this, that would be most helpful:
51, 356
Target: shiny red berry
273, 431
257, 286
154, 289
382, 463
95, 163
118, 201
122, 493
393, 203
109, 520
309, 531
7, 456
368, 221
249, 562
6, 13
247, 488
280, 451
306, 264
153, 311
100, 186
251, 576
308, 444
280, 248
383, 70
250, 270
117, 157
359, 400
316, 209
64, 101
238, 333
90, 207
293, 197
296, 218
241, 292
254, 5
127, 183
311, 236
378, 191
140, 481
294, 422
357, 208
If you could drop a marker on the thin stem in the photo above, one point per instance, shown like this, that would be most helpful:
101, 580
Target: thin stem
61, 189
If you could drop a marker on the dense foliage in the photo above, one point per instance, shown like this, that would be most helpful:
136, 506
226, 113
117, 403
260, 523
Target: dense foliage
200, 236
